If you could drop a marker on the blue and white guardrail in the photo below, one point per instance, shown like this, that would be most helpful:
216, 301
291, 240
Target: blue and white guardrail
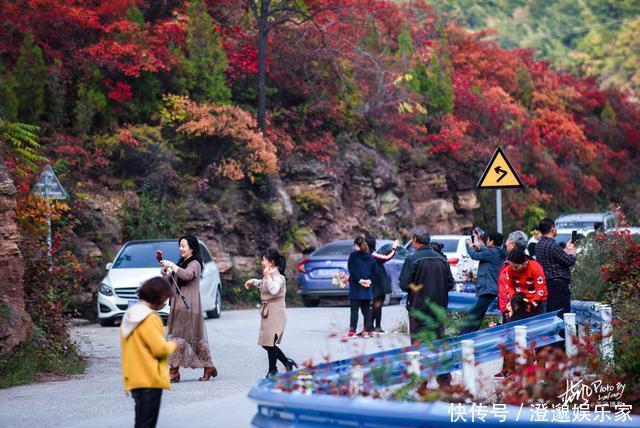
318, 407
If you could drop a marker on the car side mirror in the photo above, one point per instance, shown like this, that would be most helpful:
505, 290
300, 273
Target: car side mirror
108, 266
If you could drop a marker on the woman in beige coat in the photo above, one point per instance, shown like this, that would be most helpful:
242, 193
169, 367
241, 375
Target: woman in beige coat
186, 325
272, 309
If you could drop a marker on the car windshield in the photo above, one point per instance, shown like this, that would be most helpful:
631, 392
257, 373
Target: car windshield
143, 254
575, 224
450, 245
342, 249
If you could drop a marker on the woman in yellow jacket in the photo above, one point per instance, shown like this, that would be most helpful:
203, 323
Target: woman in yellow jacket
145, 352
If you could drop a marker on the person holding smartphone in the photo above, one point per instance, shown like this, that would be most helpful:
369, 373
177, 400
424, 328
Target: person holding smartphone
362, 268
557, 263
381, 283
490, 257
186, 321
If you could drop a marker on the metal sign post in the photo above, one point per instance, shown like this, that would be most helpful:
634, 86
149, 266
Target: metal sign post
499, 174
48, 186
46, 197
499, 210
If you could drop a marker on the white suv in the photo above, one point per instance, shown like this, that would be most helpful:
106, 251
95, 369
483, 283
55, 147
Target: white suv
135, 263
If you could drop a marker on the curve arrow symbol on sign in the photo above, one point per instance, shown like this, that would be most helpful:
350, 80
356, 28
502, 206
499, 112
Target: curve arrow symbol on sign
500, 171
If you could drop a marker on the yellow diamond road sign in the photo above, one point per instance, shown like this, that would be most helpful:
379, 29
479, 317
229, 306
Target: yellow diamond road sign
499, 174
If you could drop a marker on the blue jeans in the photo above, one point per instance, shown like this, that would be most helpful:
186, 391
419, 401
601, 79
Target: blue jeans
476, 313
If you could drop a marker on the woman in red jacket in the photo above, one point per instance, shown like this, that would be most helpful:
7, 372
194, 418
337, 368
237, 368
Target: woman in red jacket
526, 287
522, 291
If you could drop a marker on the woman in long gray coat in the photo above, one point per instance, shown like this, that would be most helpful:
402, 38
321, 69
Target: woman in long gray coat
186, 325
273, 314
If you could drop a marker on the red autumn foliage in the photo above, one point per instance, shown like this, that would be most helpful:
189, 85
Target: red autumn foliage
572, 142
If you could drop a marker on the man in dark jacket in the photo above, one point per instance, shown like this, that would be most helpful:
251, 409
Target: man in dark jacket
557, 263
491, 257
427, 279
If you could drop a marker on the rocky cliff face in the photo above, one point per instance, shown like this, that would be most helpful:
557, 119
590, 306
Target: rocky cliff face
14, 321
310, 204
307, 205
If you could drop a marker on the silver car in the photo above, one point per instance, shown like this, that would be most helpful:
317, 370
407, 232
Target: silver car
135, 263
586, 221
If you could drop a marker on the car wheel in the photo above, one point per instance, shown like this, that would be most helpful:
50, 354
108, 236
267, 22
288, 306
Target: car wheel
310, 303
217, 309
106, 322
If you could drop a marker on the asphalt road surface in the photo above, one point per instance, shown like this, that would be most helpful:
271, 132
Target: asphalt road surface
97, 399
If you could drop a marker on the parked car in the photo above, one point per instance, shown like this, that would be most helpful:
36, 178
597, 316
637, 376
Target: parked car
455, 248
316, 272
584, 222
135, 263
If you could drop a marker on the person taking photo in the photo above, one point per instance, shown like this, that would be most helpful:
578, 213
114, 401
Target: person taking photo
380, 283
187, 323
490, 256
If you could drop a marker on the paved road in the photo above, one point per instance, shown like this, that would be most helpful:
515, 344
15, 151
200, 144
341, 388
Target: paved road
96, 399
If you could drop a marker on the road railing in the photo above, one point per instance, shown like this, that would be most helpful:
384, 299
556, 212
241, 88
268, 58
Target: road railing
314, 403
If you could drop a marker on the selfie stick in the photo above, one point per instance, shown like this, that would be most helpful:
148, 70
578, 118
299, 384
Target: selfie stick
179, 291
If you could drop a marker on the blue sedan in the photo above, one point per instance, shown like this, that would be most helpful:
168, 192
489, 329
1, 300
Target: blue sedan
319, 273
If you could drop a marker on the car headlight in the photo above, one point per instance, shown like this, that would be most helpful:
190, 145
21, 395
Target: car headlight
106, 290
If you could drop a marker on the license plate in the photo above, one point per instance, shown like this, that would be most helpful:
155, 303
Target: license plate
132, 302
326, 273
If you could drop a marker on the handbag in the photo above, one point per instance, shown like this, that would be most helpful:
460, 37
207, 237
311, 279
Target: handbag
264, 309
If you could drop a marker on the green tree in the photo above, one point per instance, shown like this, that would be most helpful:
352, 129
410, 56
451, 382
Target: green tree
146, 94
89, 104
55, 95
597, 37
405, 44
434, 83
207, 60
440, 93
614, 55
525, 86
179, 78
532, 217
153, 216
9, 101
30, 73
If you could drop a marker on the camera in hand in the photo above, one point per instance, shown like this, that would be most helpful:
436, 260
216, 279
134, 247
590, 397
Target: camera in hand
478, 232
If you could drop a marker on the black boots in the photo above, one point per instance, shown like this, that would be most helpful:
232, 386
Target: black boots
290, 364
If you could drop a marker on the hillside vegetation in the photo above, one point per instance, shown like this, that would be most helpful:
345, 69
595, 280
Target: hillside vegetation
598, 38
379, 115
